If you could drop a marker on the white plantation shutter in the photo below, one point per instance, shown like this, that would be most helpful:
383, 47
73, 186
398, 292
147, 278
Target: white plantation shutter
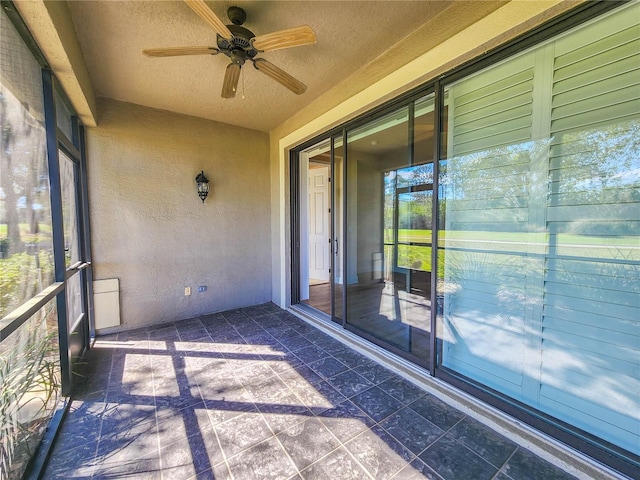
542, 266
590, 374
491, 134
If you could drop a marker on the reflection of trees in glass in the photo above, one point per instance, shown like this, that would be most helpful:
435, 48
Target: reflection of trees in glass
588, 194
414, 257
598, 167
389, 205
490, 186
69, 209
595, 167
415, 175
12, 242
414, 207
414, 210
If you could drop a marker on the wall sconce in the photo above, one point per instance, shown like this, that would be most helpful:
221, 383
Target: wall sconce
203, 186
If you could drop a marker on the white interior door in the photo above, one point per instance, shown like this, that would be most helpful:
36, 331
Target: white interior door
318, 191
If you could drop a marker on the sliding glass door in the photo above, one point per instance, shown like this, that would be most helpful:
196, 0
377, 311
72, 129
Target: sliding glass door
389, 227
315, 227
338, 222
365, 228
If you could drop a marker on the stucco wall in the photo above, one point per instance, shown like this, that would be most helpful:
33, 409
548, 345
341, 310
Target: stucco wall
150, 229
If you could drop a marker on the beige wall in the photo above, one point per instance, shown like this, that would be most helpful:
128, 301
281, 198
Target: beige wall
150, 229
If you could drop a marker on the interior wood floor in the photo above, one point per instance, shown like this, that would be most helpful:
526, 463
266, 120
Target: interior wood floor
383, 311
320, 296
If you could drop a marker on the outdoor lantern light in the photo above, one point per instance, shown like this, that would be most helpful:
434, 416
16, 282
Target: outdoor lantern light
203, 186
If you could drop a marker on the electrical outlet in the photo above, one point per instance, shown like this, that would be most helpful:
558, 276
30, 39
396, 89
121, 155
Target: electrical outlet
202, 288
187, 291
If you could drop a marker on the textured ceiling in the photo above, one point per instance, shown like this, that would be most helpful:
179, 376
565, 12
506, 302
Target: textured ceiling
350, 34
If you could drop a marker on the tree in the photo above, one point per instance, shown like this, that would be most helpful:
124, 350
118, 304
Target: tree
7, 140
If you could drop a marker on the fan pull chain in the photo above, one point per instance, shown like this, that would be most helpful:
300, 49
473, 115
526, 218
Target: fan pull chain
242, 75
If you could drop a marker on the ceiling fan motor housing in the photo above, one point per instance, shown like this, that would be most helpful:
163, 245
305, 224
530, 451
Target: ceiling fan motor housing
239, 48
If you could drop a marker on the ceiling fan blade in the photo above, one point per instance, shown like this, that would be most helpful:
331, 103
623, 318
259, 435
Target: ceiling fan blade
280, 76
177, 51
291, 37
205, 13
230, 84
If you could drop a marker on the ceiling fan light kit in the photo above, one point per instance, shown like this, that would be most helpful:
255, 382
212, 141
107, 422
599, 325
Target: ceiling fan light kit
242, 45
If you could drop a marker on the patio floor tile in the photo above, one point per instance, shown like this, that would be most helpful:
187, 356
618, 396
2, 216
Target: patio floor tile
258, 394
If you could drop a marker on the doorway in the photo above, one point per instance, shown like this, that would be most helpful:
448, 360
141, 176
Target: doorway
315, 227
365, 212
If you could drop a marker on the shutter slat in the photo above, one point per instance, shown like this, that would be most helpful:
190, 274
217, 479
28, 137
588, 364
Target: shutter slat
585, 267
617, 98
616, 325
602, 282
594, 90
596, 63
597, 118
604, 228
495, 101
595, 76
494, 117
596, 45
622, 312
626, 212
612, 196
566, 327
492, 140
601, 295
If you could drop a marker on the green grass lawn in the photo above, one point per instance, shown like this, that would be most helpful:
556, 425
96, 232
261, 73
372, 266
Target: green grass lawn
424, 236
44, 232
619, 248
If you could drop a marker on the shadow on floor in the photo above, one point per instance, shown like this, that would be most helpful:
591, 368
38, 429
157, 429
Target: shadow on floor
256, 393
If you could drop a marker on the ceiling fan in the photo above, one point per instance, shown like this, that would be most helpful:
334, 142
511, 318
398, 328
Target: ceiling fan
241, 45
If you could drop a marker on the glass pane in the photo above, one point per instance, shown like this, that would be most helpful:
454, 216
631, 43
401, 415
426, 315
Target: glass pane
389, 214
389, 202
414, 257
415, 176
315, 248
25, 209
69, 209
30, 382
338, 228
423, 131
489, 200
414, 217
74, 299
540, 248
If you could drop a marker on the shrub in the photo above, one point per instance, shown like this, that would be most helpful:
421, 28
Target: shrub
21, 277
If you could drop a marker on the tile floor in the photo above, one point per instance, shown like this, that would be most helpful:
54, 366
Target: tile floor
256, 393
